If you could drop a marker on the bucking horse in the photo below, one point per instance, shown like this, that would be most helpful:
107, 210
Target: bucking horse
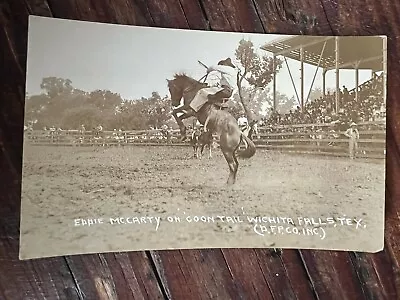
219, 121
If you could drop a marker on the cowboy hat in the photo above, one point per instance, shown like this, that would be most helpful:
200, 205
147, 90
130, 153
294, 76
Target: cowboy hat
226, 62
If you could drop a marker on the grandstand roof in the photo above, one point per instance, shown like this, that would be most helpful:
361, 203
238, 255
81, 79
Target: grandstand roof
366, 50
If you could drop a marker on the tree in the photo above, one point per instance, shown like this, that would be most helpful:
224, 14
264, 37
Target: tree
285, 104
131, 115
256, 70
142, 113
259, 99
54, 86
157, 110
87, 115
104, 99
63, 106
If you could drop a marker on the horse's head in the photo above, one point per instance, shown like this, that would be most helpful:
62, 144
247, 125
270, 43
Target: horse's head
181, 85
176, 91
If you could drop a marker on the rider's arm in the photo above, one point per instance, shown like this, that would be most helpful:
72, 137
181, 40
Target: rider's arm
219, 68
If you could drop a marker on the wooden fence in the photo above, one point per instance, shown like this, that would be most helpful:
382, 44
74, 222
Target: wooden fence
323, 139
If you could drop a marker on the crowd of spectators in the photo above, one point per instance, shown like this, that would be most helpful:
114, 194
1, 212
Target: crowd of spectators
370, 106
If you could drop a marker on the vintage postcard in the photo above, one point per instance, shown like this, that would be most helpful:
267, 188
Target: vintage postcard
142, 138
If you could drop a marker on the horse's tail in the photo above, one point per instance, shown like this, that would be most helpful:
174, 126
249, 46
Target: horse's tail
250, 149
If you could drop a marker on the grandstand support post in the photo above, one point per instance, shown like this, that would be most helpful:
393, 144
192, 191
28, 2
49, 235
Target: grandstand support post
337, 73
384, 67
324, 82
302, 78
274, 83
291, 78
357, 80
315, 74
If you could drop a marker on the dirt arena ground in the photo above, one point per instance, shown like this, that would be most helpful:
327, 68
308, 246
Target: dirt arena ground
64, 187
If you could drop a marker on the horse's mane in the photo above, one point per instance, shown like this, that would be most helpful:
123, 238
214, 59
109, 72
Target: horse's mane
183, 76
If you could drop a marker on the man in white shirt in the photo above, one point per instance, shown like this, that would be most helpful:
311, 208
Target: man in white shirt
227, 84
353, 135
242, 122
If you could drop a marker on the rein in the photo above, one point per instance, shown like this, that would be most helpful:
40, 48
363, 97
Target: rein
206, 75
204, 78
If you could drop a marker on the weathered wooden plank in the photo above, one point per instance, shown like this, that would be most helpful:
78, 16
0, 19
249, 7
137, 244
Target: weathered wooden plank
39, 7
380, 17
268, 276
115, 12
234, 15
297, 274
13, 37
14, 20
36, 279
195, 14
165, 13
114, 276
332, 275
199, 274
331, 22
11, 129
295, 17
92, 276
145, 274
392, 213
368, 268
369, 17
248, 269
366, 275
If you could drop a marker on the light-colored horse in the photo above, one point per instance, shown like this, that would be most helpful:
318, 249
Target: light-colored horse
218, 121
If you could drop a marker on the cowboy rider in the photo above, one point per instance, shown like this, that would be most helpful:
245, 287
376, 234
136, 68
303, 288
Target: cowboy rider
227, 84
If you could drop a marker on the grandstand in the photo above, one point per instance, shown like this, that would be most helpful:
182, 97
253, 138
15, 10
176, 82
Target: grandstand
362, 104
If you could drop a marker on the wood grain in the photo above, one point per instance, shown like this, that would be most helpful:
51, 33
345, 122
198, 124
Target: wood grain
197, 274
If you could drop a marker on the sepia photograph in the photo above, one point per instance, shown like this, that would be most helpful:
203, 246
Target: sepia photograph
140, 138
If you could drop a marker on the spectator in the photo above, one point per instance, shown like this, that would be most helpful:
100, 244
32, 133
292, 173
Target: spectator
242, 122
353, 135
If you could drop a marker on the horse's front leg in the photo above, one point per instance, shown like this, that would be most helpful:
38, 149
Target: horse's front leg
187, 112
